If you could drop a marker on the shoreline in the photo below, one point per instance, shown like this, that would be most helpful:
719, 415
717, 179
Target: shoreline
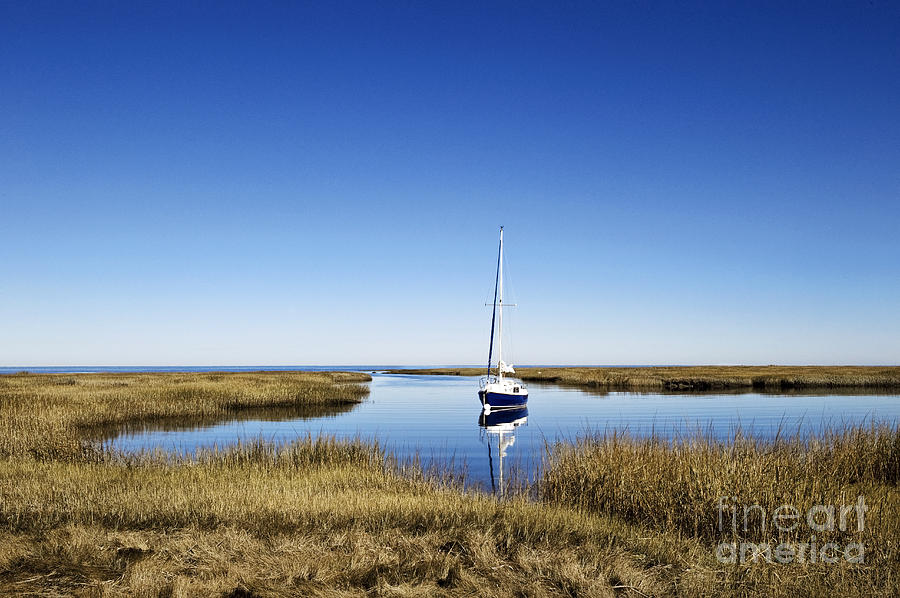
698, 378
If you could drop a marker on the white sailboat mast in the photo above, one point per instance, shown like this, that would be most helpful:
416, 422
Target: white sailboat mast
500, 310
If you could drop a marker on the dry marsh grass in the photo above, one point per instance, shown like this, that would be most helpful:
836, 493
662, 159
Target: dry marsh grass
675, 485
51, 415
319, 517
730, 492
702, 378
612, 516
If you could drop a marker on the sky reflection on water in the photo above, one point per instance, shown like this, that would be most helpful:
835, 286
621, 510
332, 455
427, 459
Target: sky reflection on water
438, 419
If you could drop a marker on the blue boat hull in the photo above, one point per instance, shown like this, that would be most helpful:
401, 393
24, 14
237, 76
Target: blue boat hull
500, 400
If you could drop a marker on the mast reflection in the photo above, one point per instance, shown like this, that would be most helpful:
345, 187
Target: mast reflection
499, 428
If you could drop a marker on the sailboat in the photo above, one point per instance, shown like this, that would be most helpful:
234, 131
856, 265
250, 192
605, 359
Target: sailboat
500, 392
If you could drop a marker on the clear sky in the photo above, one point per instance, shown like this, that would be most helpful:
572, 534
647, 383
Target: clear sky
257, 184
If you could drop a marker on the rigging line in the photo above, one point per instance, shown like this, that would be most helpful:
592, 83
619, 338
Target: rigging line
494, 311
510, 316
509, 284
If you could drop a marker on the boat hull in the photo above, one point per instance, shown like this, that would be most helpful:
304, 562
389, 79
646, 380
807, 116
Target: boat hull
501, 400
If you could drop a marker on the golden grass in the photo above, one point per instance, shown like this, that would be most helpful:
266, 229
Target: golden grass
50, 415
282, 522
329, 518
675, 487
700, 378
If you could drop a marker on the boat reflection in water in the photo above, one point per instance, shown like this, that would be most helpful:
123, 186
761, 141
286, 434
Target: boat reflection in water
499, 428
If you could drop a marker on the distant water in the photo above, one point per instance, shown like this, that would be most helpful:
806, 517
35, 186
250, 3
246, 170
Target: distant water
438, 418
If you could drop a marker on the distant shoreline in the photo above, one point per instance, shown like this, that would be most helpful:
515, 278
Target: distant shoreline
637, 378
699, 378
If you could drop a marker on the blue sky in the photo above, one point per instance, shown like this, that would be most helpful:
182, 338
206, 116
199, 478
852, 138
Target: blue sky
264, 184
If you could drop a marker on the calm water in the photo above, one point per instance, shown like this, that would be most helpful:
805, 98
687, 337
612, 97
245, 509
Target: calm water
438, 418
